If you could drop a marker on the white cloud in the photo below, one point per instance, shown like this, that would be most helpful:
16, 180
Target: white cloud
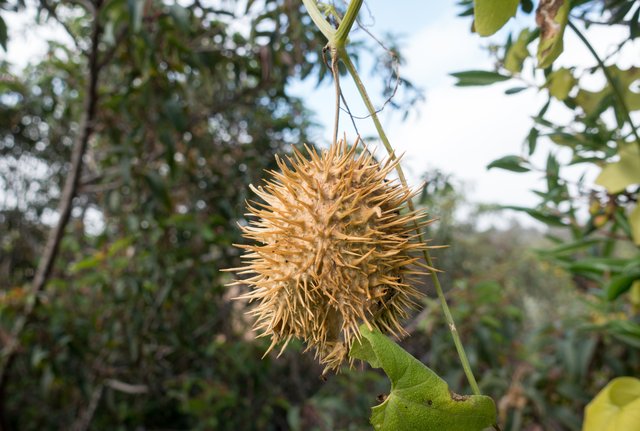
461, 130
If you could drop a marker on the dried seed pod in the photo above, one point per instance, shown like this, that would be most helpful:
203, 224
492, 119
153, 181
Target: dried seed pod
335, 249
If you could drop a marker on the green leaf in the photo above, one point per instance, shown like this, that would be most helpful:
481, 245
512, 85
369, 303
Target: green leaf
544, 217
634, 294
478, 77
491, 15
518, 52
593, 102
626, 80
625, 331
532, 140
552, 17
560, 83
3, 34
515, 90
419, 399
617, 176
615, 408
510, 163
599, 266
553, 171
634, 223
621, 284
572, 246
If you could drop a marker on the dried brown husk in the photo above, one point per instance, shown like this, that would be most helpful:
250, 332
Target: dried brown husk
334, 248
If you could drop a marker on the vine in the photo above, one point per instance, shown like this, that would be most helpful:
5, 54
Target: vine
336, 45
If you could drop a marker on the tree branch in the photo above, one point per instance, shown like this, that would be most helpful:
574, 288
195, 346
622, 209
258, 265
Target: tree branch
65, 206
53, 14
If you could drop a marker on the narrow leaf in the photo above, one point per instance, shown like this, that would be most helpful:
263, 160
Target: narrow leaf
621, 284
478, 77
532, 140
573, 246
3, 34
510, 163
544, 217
515, 90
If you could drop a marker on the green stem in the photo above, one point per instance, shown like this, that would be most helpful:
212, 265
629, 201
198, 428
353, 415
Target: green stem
336, 38
336, 80
427, 257
347, 22
616, 90
318, 19
337, 42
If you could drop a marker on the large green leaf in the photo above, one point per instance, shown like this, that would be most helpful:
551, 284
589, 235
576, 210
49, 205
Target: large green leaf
560, 83
419, 399
617, 176
491, 15
615, 408
552, 17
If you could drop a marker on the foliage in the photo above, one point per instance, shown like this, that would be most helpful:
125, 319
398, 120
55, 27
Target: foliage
616, 407
135, 328
191, 110
597, 241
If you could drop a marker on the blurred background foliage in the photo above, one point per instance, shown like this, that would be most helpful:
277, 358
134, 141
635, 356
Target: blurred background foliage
135, 329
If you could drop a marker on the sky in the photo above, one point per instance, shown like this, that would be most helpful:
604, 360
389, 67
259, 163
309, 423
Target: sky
457, 130
461, 130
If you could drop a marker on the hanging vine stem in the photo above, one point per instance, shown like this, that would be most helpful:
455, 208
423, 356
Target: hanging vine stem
427, 257
336, 80
337, 40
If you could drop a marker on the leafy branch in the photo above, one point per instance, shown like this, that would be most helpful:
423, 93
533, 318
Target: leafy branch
69, 192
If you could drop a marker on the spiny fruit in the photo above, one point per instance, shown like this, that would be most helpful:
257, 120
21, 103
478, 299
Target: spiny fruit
335, 248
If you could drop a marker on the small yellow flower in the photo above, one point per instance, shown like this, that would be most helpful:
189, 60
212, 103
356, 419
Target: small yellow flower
334, 249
